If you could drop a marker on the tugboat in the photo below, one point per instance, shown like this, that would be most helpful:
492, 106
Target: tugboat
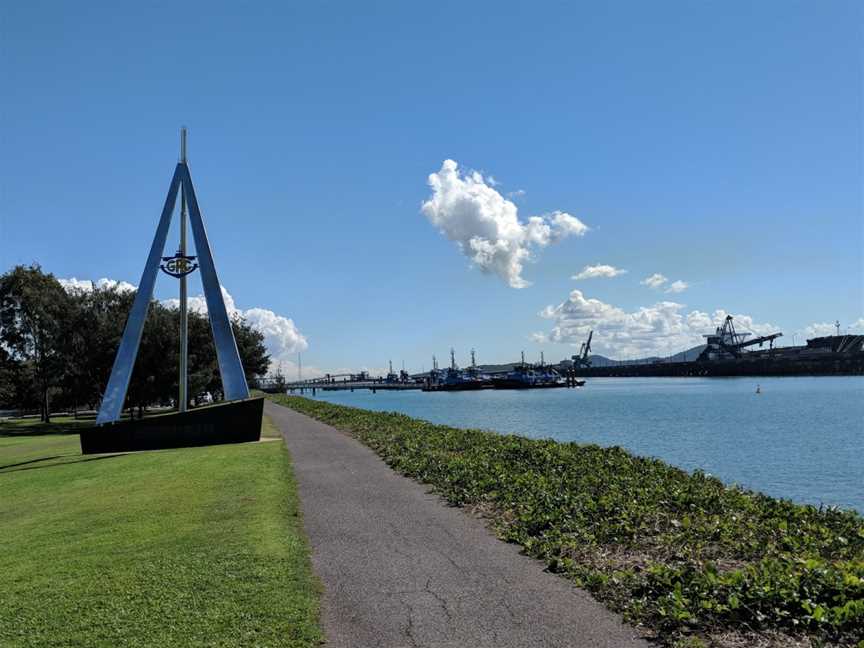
455, 379
525, 376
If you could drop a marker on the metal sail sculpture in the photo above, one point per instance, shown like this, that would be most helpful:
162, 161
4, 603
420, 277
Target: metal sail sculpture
230, 368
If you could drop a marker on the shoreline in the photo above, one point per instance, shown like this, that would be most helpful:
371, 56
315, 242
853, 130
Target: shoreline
768, 442
681, 553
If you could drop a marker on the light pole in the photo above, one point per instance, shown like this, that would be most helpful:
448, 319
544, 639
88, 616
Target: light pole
184, 313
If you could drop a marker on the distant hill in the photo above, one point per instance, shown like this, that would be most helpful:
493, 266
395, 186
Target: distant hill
602, 361
682, 356
497, 368
596, 361
487, 368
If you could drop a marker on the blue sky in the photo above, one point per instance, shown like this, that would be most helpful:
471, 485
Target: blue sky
719, 144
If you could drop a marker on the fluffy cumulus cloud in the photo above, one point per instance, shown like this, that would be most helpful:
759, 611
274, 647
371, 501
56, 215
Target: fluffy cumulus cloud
599, 270
660, 329
281, 336
468, 210
73, 284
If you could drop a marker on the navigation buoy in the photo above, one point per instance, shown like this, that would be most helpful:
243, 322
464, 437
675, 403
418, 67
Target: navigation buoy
758, 389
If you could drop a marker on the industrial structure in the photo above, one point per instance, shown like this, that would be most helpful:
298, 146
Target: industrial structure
729, 353
582, 359
725, 343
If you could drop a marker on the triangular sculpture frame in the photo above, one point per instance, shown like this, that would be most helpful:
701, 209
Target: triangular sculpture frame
230, 368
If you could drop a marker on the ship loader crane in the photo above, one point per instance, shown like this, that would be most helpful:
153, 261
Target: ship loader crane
581, 360
726, 342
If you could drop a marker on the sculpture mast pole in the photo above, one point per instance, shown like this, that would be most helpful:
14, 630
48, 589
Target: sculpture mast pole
184, 314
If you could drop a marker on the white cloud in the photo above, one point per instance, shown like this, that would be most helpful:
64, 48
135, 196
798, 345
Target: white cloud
654, 281
677, 287
469, 211
72, 284
821, 329
281, 336
660, 329
599, 270
289, 369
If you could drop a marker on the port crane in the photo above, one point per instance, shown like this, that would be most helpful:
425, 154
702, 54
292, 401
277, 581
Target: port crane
581, 360
726, 341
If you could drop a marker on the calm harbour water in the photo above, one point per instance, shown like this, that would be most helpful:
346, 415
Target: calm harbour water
802, 438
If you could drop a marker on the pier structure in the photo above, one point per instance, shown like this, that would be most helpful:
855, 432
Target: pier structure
342, 382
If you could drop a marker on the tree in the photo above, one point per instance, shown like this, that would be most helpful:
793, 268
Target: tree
250, 345
203, 366
106, 311
155, 375
9, 370
62, 345
33, 310
155, 378
95, 322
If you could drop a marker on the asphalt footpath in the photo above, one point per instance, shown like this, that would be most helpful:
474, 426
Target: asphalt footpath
401, 568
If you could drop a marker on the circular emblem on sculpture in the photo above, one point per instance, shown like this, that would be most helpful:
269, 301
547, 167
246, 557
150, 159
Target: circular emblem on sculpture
178, 265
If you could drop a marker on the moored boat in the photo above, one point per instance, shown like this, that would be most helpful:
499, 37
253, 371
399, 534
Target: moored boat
525, 376
455, 379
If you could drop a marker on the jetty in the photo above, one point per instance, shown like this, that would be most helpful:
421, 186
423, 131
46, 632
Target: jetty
372, 385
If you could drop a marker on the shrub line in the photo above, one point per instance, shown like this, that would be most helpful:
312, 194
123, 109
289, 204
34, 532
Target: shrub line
681, 553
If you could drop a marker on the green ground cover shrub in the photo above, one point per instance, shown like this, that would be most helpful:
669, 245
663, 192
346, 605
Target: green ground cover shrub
681, 553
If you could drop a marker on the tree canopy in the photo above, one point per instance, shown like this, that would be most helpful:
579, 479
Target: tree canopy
57, 347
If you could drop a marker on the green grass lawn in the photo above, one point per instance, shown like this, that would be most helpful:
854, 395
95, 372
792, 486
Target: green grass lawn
188, 547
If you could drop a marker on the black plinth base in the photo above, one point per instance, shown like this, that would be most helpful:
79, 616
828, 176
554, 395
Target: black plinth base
234, 422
